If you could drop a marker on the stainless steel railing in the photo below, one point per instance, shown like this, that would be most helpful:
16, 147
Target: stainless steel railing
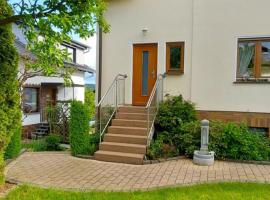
108, 105
152, 106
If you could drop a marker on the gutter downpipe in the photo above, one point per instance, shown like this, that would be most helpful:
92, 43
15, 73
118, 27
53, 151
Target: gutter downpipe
98, 111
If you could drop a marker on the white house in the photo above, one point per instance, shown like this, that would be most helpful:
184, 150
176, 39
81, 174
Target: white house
216, 53
41, 91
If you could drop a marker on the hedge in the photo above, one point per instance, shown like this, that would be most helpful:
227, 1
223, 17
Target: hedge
14, 146
79, 128
10, 112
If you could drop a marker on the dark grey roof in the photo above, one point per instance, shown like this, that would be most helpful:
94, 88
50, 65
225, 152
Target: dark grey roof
26, 54
84, 68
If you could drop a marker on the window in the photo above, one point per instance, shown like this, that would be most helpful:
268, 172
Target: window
30, 100
253, 59
71, 51
175, 57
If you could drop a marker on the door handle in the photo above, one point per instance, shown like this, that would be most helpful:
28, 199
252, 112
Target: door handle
154, 74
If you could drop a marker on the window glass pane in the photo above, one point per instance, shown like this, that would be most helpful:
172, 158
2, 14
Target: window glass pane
30, 103
265, 59
246, 56
175, 53
145, 64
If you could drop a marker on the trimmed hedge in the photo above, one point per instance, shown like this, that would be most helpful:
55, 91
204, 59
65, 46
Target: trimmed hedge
14, 147
79, 129
10, 112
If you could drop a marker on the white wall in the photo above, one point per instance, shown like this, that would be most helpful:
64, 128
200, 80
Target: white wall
33, 118
217, 25
210, 29
127, 19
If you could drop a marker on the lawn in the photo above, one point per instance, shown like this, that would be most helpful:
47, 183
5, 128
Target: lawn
207, 191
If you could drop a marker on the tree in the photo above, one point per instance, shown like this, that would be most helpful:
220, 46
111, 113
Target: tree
10, 114
47, 24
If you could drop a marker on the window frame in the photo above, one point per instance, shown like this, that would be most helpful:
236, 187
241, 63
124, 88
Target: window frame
74, 55
257, 58
180, 70
38, 99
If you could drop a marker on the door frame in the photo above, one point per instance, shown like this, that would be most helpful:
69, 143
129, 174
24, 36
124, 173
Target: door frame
142, 44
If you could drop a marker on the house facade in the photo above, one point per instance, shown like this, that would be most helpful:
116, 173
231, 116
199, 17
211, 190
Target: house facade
39, 92
215, 53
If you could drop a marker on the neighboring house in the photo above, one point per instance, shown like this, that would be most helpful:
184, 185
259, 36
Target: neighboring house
41, 91
216, 53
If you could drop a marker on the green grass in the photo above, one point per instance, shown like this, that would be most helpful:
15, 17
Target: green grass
220, 191
35, 145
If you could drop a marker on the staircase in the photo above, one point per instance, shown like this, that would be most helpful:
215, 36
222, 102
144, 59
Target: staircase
41, 130
126, 138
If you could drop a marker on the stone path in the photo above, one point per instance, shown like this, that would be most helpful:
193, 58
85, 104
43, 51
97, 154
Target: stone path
61, 170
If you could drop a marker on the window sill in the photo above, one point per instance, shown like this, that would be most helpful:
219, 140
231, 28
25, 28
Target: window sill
253, 81
174, 72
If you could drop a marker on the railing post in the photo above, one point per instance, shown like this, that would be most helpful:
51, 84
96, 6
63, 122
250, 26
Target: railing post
116, 94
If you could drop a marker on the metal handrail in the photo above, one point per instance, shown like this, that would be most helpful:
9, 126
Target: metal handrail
113, 89
155, 92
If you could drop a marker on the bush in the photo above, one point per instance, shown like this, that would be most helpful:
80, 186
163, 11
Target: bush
89, 101
93, 143
79, 128
173, 112
58, 117
53, 142
14, 146
227, 140
10, 113
35, 145
179, 133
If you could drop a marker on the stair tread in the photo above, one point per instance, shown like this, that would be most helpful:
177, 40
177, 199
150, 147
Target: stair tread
130, 120
121, 154
129, 127
127, 136
124, 144
132, 113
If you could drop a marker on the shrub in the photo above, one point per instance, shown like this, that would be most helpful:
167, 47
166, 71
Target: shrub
14, 146
35, 145
10, 113
94, 140
58, 117
79, 128
173, 112
89, 101
53, 142
227, 140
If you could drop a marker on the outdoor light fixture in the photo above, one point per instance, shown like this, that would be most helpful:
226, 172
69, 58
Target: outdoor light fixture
144, 31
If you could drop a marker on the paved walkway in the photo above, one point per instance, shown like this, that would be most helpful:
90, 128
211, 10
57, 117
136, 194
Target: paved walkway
64, 171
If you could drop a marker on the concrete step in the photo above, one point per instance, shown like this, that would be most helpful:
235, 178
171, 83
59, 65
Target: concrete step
127, 130
130, 139
130, 116
123, 147
129, 123
119, 157
132, 109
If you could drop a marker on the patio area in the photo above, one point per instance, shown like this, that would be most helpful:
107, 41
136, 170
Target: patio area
60, 170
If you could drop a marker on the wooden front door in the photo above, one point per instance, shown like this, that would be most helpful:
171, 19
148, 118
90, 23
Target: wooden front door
48, 98
144, 72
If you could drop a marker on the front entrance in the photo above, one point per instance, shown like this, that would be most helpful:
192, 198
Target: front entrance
48, 98
144, 72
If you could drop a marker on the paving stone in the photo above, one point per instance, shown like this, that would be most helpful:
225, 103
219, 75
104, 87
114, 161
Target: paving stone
60, 170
